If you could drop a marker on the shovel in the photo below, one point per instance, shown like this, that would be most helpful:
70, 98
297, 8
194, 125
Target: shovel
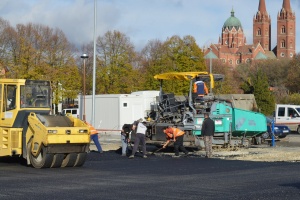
156, 151
159, 149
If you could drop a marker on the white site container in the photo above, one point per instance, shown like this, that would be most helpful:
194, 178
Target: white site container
114, 110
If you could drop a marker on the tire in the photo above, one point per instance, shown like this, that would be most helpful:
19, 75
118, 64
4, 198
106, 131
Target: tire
266, 135
69, 160
42, 160
81, 157
57, 160
298, 130
258, 140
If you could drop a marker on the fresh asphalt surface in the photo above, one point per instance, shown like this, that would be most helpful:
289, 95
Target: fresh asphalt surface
110, 176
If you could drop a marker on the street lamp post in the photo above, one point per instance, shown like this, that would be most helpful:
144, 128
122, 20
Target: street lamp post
84, 57
210, 70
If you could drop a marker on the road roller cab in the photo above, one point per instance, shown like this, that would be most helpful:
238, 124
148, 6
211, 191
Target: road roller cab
28, 130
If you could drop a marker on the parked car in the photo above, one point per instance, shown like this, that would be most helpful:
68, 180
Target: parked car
280, 131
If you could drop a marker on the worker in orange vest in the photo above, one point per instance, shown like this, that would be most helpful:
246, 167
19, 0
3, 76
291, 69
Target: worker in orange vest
200, 88
176, 135
94, 137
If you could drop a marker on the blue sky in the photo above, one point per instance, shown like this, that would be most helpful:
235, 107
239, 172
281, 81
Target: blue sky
143, 20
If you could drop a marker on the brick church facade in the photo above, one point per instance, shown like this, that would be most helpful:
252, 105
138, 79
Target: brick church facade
232, 48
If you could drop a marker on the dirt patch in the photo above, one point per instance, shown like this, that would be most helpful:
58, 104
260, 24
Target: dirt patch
287, 150
267, 154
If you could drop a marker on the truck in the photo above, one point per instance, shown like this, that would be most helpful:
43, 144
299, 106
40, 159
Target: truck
29, 130
235, 127
289, 115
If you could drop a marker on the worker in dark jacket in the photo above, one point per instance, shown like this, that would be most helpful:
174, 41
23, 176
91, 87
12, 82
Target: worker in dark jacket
126, 130
207, 131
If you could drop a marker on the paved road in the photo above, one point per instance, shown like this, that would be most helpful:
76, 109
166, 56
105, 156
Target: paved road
110, 176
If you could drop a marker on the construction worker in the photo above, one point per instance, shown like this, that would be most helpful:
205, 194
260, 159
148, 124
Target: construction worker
200, 88
126, 129
139, 137
176, 135
207, 131
94, 137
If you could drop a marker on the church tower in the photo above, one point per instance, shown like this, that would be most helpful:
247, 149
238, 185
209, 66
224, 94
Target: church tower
262, 27
286, 31
232, 33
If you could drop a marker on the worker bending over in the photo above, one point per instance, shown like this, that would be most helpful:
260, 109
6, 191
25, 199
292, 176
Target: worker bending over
176, 135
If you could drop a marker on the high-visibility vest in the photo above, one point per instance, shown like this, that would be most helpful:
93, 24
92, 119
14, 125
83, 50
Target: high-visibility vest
200, 88
175, 131
92, 129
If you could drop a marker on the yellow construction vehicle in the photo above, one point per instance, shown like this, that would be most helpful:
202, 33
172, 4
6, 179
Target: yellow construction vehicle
28, 130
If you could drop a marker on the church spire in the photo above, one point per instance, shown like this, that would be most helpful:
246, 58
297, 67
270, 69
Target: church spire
286, 29
262, 6
286, 5
262, 27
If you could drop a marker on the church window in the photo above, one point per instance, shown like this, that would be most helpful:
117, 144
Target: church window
282, 54
291, 55
282, 44
291, 44
248, 60
282, 29
259, 31
230, 62
223, 60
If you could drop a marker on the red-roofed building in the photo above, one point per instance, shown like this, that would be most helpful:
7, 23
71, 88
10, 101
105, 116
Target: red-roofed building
232, 48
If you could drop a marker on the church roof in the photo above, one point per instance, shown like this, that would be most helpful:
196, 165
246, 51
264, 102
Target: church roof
270, 54
232, 21
260, 56
266, 55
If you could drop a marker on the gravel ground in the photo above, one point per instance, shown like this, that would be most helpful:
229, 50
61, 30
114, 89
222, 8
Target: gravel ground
286, 150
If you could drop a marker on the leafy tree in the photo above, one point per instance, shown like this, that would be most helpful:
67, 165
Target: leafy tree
153, 60
263, 96
39, 52
4, 41
182, 55
116, 72
276, 70
292, 82
230, 84
292, 99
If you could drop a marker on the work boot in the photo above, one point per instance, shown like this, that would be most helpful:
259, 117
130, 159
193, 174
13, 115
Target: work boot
131, 156
123, 154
